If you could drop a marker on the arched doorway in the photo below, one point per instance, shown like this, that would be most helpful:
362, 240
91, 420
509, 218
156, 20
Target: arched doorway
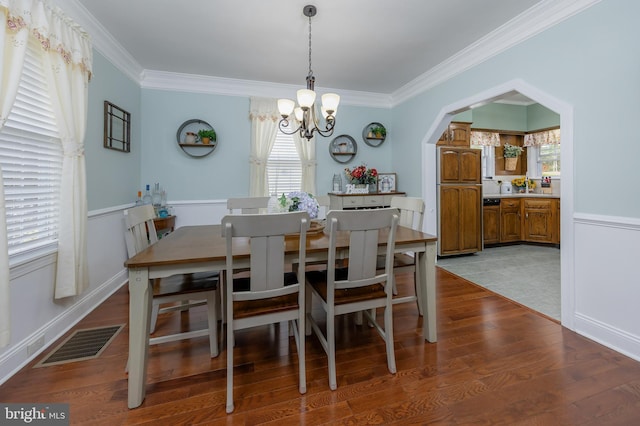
565, 111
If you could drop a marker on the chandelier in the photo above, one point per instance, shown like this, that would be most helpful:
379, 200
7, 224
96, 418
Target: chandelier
305, 114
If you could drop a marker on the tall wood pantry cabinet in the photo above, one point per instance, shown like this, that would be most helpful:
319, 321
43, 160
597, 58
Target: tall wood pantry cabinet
459, 201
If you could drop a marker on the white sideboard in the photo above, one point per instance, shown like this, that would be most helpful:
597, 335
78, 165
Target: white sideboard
362, 201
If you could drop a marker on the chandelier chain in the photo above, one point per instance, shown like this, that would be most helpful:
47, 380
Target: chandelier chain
310, 70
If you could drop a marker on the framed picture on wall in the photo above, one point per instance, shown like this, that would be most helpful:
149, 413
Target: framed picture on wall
387, 182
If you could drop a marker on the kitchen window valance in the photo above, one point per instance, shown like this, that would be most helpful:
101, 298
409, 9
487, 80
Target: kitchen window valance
548, 137
485, 138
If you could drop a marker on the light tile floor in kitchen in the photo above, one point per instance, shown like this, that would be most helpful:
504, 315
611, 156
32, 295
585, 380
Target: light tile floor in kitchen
527, 274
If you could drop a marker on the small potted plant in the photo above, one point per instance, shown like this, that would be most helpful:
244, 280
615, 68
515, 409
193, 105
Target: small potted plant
511, 154
379, 131
207, 136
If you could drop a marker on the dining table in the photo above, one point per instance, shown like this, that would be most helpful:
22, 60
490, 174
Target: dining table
203, 248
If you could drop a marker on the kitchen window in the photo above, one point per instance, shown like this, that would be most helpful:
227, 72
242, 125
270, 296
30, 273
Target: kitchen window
544, 146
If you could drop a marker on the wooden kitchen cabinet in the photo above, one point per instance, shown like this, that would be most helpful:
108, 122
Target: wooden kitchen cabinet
510, 220
491, 224
460, 226
557, 222
458, 165
538, 220
457, 134
511, 139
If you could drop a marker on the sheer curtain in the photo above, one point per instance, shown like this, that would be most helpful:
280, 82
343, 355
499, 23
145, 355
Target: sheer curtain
307, 153
13, 42
67, 58
264, 117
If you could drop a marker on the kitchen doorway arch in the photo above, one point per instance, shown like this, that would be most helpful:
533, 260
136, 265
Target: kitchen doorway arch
565, 110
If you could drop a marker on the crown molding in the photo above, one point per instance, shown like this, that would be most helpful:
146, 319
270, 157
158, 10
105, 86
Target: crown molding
533, 21
162, 80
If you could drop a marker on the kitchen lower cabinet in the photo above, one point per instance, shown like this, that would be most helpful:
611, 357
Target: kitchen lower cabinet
460, 225
538, 220
510, 220
491, 224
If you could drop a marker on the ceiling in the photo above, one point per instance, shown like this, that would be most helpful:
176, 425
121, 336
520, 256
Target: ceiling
375, 46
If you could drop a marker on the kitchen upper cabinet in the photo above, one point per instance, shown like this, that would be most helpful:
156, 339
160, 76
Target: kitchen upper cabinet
510, 220
457, 134
460, 219
491, 224
538, 220
458, 165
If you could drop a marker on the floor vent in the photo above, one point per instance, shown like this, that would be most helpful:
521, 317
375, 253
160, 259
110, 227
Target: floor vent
81, 345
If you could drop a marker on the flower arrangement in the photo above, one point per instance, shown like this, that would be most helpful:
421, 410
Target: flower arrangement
297, 201
512, 151
521, 183
361, 175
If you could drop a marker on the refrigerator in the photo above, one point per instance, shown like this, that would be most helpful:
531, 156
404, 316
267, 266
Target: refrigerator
459, 194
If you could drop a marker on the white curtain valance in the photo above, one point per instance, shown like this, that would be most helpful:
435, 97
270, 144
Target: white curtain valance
485, 138
54, 31
262, 109
548, 137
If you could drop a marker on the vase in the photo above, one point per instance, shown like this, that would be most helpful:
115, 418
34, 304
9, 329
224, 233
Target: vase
372, 188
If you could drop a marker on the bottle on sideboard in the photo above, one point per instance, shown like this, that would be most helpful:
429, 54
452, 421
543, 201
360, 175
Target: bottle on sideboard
147, 196
139, 199
156, 196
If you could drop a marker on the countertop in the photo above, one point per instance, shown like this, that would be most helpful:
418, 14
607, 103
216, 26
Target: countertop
521, 195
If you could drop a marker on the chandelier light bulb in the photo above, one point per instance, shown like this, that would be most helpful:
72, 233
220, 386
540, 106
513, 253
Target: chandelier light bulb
285, 106
330, 102
299, 114
306, 98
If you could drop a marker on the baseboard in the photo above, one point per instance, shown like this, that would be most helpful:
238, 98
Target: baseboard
610, 337
17, 357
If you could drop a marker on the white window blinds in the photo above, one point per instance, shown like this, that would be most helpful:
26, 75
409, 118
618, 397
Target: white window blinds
31, 158
284, 168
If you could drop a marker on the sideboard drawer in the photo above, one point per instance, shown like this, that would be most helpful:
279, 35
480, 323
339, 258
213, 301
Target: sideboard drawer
374, 201
350, 202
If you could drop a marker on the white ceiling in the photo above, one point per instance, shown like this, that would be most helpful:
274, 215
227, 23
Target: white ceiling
375, 46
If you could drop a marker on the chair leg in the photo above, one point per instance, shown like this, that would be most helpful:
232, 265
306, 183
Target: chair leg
331, 350
154, 316
395, 287
230, 407
416, 278
307, 307
212, 314
388, 337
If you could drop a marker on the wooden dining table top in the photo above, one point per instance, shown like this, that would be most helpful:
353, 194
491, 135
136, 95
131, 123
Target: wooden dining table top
205, 243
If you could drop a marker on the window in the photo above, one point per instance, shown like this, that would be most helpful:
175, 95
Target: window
549, 160
284, 168
31, 158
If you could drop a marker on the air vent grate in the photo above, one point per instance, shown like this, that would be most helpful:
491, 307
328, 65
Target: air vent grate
81, 345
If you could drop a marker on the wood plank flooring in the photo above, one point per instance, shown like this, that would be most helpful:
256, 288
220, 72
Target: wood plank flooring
495, 363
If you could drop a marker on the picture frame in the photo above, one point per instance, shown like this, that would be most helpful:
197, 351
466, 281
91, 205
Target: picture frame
387, 182
117, 128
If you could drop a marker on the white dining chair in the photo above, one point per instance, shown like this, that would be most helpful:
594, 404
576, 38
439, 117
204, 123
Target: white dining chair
411, 216
358, 288
269, 294
247, 205
180, 292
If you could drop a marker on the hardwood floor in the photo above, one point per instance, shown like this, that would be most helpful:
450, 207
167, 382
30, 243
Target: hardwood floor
495, 362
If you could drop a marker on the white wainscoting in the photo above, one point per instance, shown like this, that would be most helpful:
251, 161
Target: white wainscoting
607, 296
35, 314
